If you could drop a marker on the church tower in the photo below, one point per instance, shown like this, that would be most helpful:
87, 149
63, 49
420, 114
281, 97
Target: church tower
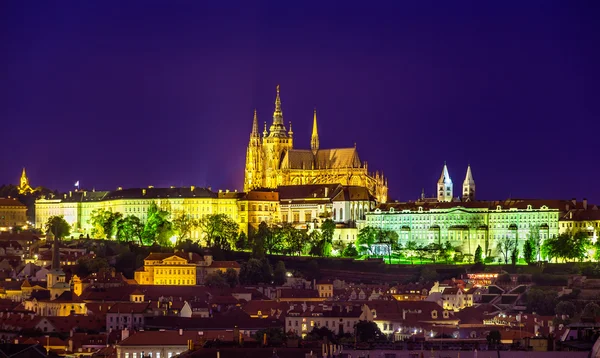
314, 139
254, 159
24, 187
468, 188
444, 186
275, 145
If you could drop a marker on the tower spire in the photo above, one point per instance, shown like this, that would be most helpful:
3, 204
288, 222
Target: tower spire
278, 128
254, 132
468, 192
314, 139
444, 185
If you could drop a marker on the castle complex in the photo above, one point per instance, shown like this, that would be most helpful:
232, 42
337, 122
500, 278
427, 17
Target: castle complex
272, 161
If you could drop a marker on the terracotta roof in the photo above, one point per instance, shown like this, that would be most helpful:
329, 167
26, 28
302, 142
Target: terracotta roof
129, 307
261, 195
11, 202
224, 264
312, 192
160, 338
298, 293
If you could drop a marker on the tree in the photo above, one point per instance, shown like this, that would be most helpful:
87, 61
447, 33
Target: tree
566, 247
231, 277
367, 331
478, 255
130, 229
220, 231
274, 337
58, 226
87, 266
183, 224
158, 227
389, 239
591, 310
242, 241
254, 272
292, 240
367, 237
529, 251
104, 223
428, 274
514, 255
541, 301
327, 231
215, 280
279, 274
411, 249
535, 242
350, 251
506, 246
264, 241
565, 308
445, 251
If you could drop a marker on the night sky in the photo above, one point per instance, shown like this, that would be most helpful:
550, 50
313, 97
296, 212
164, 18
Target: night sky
162, 93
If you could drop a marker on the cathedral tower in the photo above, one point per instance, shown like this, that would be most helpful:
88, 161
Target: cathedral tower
254, 158
468, 188
314, 139
275, 145
24, 187
444, 186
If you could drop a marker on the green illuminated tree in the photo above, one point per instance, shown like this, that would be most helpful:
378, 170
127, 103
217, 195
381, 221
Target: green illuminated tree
183, 224
158, 228
350, 251
327, 230
478, 255
367, 237
130, 229
220, 231
529, 251
411, 250
58, 226
264, 237
104, 223
505, 247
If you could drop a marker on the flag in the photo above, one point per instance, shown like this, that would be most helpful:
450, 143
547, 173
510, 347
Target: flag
77, 183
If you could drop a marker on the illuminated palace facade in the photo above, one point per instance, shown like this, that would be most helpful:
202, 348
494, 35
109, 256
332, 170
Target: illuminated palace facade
77, 207
272, 161
465, 222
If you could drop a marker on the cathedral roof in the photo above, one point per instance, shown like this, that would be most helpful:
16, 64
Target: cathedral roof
352, 193
324, 159
312, 192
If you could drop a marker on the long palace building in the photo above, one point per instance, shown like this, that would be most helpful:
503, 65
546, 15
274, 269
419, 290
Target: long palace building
272, 161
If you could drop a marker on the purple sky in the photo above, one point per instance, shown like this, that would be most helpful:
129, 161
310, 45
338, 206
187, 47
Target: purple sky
162, 93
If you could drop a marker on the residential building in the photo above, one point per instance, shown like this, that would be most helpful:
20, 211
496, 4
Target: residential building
302, 318
13, 213
580, 217
258, 206
167, 269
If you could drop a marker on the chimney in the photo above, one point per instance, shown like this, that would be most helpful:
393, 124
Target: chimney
190, 254
584, 204
124, 334
326, 191
181, 331
70, 194
574, 201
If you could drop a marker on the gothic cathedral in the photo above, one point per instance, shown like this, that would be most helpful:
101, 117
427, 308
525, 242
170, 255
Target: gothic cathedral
272, 161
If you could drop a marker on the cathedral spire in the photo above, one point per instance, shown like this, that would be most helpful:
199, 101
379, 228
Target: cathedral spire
254, 132
24, 187
278, 128
314, 139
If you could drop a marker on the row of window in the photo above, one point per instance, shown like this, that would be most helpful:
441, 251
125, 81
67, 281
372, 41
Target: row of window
143, 354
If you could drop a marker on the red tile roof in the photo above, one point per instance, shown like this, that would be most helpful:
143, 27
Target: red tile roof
160, 338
